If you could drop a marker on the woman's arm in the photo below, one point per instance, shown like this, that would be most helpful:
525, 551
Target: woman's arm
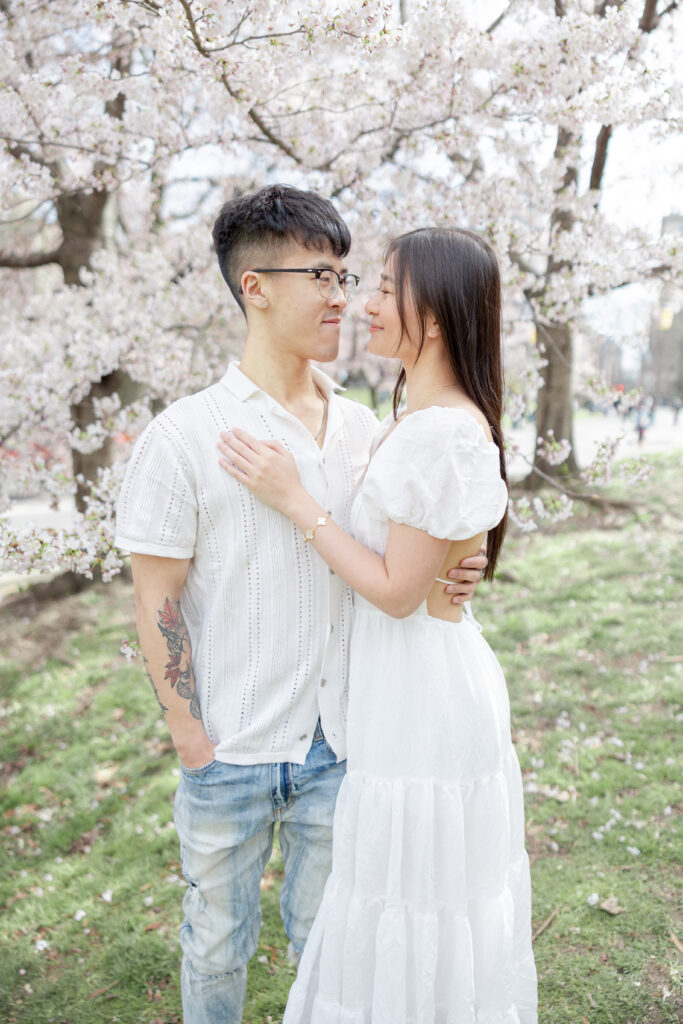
397, 582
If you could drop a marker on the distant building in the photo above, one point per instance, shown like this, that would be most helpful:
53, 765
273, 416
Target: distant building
610, 363
663, 365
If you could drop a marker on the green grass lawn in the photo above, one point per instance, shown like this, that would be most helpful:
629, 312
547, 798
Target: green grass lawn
587, 623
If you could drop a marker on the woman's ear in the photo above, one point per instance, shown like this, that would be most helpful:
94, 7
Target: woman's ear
251, 290
433, 329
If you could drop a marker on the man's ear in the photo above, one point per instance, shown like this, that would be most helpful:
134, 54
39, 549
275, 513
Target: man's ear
251, 290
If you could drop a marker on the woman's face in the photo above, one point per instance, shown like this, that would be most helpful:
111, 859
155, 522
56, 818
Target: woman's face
385, 323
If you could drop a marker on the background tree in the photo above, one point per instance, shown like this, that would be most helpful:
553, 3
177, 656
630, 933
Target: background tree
554, 414
127, 124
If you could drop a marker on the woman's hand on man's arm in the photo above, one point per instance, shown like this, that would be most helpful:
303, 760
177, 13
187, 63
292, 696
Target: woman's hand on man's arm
466, 577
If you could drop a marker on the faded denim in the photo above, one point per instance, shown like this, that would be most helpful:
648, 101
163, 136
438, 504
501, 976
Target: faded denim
225, 816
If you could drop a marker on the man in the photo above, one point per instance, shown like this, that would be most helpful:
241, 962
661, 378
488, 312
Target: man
243, 628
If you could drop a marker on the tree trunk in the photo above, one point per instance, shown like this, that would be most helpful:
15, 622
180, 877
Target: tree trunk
554, 409
554, 404
83, 218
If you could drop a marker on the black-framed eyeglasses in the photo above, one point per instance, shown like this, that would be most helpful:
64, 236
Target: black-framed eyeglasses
329, 281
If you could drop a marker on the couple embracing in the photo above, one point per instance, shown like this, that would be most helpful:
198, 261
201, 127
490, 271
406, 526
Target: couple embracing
300, 572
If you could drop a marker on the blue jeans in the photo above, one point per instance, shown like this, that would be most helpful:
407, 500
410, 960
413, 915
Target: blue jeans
225, 816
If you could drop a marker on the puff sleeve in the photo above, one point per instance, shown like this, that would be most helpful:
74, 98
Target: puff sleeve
437, 471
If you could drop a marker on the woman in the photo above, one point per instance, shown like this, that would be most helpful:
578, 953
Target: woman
426, 915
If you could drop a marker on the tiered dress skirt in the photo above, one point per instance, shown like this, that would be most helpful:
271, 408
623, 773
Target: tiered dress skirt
426, 916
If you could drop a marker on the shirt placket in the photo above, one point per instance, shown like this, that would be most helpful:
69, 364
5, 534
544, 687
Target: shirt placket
315, 478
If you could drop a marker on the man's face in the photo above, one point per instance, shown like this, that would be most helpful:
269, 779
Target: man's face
301, 320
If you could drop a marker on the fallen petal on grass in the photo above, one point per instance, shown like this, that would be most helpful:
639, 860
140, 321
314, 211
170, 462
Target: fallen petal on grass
611, 906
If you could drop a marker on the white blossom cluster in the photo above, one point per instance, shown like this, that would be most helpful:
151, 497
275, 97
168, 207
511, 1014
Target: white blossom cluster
526, 513
600, 469
551, 450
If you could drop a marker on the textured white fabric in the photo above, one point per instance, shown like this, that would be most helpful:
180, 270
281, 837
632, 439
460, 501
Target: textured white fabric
439, 473
426, 917
267, 620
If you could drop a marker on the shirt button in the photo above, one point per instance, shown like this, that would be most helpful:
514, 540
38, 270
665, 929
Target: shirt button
332, 572
323, 682
331, 629
302, 737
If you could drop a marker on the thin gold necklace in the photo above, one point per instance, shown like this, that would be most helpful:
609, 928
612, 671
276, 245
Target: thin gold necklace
322, 422
441, 387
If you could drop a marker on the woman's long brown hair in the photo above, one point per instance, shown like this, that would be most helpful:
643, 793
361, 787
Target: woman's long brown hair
452, 275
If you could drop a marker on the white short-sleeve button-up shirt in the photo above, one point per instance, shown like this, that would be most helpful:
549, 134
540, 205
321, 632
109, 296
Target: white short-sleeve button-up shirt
267, 619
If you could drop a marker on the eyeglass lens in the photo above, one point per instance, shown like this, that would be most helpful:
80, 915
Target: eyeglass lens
329, 282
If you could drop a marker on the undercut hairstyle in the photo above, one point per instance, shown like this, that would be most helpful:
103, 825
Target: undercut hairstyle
452, 274
250, 230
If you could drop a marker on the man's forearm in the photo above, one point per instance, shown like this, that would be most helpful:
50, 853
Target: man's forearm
167, 652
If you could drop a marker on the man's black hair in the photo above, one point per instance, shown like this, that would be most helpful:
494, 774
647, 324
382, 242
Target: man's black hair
251, 227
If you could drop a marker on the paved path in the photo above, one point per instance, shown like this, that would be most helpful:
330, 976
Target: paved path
591, 428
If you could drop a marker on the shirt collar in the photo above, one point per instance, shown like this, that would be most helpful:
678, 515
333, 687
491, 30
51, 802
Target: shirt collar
243, 387
326, 383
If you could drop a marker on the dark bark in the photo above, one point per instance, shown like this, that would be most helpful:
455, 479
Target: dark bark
81, 218
649, 18
554, 410
29, 261
600, 157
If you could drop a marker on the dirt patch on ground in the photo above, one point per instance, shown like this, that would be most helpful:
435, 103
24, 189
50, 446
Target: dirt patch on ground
37, 631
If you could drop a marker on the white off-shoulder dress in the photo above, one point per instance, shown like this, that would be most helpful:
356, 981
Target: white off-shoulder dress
426, 916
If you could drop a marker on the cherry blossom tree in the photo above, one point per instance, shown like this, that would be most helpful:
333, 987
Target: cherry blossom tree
126, 124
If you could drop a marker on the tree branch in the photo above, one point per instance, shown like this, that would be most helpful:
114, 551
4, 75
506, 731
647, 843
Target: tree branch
147, 5
501, 17
19, 149
36, 259
522, 263
601, 9
600, 157
252, 112
589, 499
649, 18
252, 39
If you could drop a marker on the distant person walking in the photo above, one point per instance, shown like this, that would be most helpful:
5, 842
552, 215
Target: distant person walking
643, 420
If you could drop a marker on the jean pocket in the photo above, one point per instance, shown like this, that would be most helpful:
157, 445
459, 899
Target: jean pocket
194, 773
